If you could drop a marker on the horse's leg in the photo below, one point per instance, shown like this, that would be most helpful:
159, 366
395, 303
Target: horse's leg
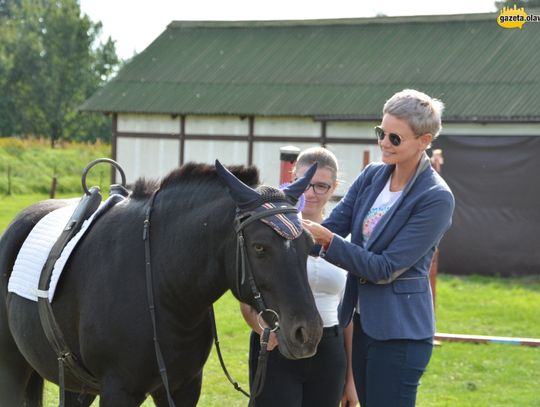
33, 394
18, 382
72, 399
186, 395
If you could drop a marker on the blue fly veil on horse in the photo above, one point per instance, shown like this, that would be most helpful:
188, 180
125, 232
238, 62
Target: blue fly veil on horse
267, 199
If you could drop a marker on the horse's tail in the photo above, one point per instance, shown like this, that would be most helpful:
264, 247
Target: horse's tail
33, 396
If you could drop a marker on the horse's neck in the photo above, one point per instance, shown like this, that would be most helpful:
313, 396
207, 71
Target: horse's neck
198, 246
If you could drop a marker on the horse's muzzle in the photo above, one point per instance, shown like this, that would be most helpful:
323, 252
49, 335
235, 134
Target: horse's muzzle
301, 340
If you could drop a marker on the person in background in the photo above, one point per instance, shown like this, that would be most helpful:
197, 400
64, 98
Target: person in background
326, 378
396, 213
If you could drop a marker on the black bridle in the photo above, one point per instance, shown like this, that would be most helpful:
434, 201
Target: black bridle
243, 274
243, 267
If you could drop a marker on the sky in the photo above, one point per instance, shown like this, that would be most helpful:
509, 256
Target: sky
134, 24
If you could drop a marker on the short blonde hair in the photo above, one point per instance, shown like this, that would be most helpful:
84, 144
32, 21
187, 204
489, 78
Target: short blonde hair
422, 112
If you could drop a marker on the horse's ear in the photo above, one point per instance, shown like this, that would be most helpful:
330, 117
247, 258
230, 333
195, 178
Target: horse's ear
298, 187
244, 195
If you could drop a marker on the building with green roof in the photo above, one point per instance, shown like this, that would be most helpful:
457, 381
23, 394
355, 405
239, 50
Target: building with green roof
238, 91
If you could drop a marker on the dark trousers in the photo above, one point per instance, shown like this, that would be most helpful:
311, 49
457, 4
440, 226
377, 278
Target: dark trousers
313, 382
387, 373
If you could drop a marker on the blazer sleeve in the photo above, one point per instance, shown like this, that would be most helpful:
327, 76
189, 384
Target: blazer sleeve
408, 245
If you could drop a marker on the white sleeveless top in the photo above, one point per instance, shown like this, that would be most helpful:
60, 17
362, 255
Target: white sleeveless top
327, 283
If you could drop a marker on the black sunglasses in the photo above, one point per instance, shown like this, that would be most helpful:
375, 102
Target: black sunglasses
320, 188
394, 138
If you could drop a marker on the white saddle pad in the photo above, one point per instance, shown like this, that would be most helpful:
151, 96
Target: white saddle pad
24, 279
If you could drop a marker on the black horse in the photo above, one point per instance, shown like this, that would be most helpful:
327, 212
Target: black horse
101, 301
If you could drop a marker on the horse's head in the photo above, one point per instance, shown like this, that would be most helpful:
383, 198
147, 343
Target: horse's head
271, 270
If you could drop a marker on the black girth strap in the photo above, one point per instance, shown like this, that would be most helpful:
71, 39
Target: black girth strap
87, 206
150, 297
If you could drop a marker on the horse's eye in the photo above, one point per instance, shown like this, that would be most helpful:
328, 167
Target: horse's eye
259, 248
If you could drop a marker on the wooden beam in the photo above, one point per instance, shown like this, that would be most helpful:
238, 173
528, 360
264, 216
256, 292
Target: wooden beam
487, 339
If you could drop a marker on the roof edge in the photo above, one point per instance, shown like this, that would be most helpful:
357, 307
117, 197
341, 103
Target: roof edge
335, 21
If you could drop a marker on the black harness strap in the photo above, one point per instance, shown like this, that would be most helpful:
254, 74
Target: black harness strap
260, 374
150, 296
220, 356
88, 205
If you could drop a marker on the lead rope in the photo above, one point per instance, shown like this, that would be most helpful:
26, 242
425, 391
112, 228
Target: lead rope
150, 296
260, 373
235, 384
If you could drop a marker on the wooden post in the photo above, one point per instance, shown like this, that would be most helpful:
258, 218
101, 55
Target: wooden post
54, 182
366, 158
9, 179
287, 157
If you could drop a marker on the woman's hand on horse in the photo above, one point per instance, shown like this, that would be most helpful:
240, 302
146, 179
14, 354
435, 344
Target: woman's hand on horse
321, 235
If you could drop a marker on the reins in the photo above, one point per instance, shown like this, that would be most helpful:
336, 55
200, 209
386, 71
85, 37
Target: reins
150, 297
244, 272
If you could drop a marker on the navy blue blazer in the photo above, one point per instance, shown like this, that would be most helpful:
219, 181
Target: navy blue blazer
389, 276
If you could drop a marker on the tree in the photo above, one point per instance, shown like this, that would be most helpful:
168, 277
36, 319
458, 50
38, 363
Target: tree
55, 66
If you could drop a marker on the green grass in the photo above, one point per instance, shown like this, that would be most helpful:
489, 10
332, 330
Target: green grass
27, 166
459, 374
482, 375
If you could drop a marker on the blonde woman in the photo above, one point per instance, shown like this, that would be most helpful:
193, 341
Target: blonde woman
396, 213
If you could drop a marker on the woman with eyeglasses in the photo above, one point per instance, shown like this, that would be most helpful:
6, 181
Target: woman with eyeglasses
396, 213
325, 379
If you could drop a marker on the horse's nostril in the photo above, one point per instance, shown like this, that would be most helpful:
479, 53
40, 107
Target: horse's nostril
301, 335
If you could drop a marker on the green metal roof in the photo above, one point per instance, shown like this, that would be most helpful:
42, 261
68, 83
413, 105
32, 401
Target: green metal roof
332, 68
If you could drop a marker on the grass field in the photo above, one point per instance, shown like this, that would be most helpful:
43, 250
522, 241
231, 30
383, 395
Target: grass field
27, 166
465, 375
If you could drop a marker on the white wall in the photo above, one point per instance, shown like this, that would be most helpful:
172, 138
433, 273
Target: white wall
145, 157
217, 125
227, 152
279, 126
491, 129
155, 158
148, 123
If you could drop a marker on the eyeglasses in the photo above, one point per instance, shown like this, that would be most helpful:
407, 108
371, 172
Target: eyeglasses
319, 188
394, 138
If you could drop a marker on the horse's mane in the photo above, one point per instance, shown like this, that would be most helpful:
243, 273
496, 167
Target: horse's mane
193, 172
